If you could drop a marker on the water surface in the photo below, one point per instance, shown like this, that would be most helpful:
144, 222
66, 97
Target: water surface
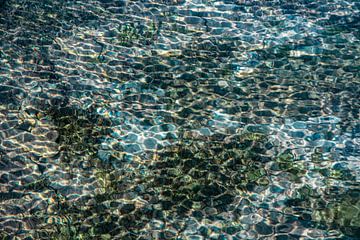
179, 119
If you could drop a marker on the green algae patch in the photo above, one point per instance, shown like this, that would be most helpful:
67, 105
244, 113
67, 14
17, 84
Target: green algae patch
343, 213
287, 162
335, 209
79, 132
129, 33
197, 174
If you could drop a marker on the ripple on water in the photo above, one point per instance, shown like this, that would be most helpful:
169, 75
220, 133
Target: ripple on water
179, 119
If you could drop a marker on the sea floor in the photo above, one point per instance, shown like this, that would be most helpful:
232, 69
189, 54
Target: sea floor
179, 119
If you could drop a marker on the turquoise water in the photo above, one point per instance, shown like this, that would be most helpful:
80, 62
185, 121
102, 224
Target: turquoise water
179, 119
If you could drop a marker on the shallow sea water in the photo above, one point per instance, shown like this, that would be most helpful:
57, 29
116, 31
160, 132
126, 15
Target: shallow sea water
179, 119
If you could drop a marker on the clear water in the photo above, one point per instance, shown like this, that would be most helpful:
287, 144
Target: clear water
179, 119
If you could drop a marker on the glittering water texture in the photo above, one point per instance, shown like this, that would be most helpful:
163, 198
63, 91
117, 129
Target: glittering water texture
179, 119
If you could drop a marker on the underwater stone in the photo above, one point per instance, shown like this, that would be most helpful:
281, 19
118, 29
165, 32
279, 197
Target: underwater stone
105, 227
285, 228
131, 137
233, 229
127, 208
104, 155
205, 131
251, 218
276, 189
210, 211
156, 68
150, 143
204, 231
167, 127
188, 77
224, 200
194, 237
300, 125
166, 205
198, 214
302, 96
220, 90
263, 228
297, 134
193, 20
264, 113
212, 190
25, 126
160, 136
132, 148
